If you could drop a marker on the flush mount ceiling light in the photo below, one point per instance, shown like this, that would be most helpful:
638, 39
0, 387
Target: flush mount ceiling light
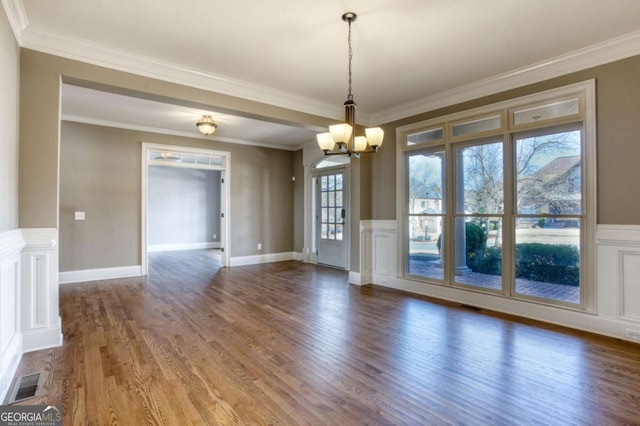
340, 140
206, 125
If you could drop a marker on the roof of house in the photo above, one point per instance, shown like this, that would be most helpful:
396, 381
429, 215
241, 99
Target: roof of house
559, 166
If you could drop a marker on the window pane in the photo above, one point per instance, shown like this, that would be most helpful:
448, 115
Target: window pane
332, 199
547, 260
324, 199
325, 215
478, 251
332, 231
477, 126
339, 181
432, 135
324, 183
549, 174
323, 231
546, 112
338, 198
425, 242
339, 230
479, 179
332, 183
332, 216
426, 183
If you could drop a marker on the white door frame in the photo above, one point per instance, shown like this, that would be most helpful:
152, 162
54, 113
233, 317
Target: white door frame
225, 206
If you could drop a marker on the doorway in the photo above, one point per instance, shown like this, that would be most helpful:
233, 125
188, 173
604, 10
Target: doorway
331, 229
188, 159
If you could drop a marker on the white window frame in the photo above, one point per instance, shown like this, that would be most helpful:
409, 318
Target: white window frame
585, 91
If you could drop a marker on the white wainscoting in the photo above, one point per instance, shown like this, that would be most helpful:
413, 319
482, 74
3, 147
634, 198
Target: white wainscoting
40, 312
617, 310
11, 244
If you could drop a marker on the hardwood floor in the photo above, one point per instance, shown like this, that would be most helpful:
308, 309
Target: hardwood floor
293, 343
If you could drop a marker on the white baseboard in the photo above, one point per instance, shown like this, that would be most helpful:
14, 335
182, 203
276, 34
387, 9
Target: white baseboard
261, 258
357, 278
182, 246
100, 274
42, 338
298, 256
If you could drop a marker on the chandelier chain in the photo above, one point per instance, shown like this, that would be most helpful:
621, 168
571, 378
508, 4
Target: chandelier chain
350, 95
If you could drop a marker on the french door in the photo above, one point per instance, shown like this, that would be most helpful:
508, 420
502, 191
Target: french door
331, 218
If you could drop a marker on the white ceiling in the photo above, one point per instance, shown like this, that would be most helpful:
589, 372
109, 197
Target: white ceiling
408, 54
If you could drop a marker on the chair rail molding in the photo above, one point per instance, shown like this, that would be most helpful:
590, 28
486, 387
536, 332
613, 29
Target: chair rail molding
617, 281
40, 313
11, 244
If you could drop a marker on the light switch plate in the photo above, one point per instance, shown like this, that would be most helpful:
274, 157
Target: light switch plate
78, 215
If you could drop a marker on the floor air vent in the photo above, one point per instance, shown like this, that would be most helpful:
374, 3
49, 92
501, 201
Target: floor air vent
26, 387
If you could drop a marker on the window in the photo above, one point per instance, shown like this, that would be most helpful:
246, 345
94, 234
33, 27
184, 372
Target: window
504, 206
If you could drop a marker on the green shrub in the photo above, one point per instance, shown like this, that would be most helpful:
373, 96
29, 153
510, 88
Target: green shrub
487, 261
559, 263
476, 238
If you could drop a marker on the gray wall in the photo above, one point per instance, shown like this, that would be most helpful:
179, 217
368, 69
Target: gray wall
100, 175
9, 106
183, 205
100, 169
618, 150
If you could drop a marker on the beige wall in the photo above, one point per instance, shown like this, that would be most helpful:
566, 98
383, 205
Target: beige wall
100, 174
618, 150
9, 105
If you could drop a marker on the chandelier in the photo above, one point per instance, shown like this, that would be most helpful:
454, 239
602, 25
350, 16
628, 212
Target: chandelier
340, 140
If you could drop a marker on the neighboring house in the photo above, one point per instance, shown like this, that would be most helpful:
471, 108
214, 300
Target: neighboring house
554, 189
426, 227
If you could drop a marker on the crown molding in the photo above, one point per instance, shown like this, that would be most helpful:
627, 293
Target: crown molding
149, 129
81, 50
121, 60
598, 54
17, 17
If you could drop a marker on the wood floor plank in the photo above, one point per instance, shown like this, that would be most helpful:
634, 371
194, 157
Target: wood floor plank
294, 343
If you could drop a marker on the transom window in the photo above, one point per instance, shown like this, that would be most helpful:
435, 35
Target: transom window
501, 199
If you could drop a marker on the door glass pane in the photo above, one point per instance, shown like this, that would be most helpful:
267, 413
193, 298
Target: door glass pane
331, 200
332, 183
332, 231
478, 251
547, 261
479, 179
549, 174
